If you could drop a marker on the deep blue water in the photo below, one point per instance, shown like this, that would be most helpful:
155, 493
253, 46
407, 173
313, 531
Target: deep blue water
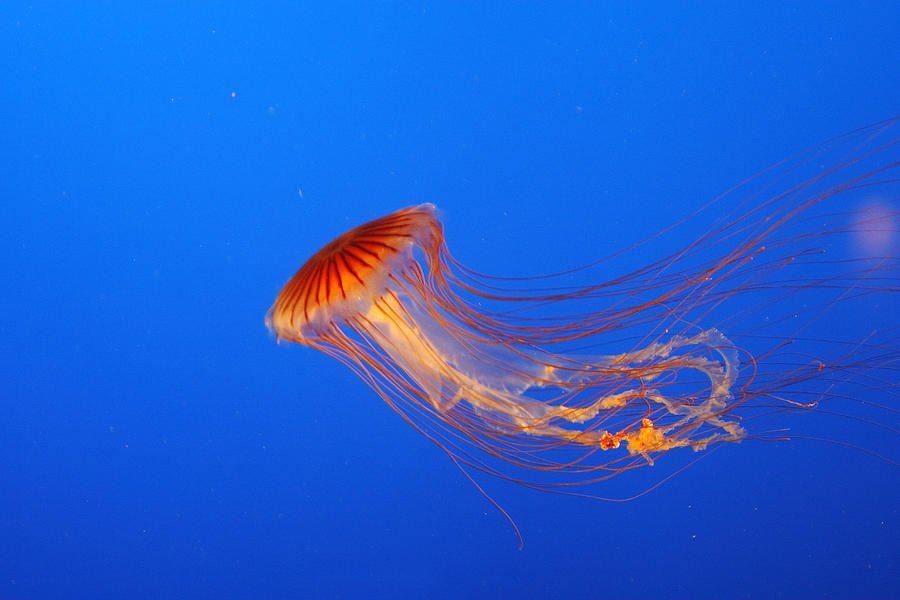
166, 168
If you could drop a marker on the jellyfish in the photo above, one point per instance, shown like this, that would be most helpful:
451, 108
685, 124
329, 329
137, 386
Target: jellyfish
556, 384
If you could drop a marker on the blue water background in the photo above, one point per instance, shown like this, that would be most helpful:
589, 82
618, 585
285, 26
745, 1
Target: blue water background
165, 167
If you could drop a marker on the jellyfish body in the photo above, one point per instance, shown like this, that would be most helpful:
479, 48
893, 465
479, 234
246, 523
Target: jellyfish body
503, 378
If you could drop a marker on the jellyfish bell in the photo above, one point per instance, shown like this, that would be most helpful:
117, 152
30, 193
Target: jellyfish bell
351, 274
